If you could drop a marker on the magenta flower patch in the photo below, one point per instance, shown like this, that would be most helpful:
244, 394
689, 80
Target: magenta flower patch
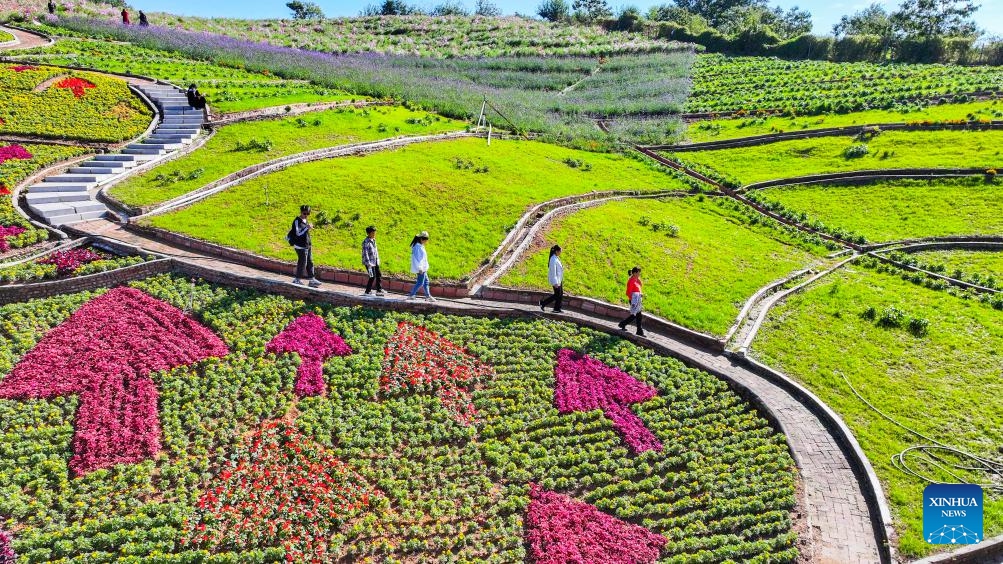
69, 261
6, 232
309, 337
7, 555
561, 530
11, 152
585, 384
105, 352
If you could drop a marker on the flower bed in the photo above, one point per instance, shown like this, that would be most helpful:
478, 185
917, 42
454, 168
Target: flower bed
721, 487
309, 337
55, 103
65, 264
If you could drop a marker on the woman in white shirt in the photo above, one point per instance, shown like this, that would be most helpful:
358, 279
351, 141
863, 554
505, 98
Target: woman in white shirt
555, 275
419, 265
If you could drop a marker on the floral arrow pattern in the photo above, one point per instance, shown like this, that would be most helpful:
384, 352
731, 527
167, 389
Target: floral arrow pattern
309, 337
105, 352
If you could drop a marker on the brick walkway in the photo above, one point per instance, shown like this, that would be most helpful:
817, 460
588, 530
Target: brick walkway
840, 522
25, 40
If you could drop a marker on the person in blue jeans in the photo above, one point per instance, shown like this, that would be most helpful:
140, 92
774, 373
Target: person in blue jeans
419, 265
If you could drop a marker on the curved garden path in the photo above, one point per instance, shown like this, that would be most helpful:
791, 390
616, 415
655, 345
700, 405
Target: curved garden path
25, 39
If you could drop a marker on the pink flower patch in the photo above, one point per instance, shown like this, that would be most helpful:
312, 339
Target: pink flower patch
22, 68
67, 262
5, 232
418, 360
76, 85
560, 530
7, 555
585, 384
10, 152
105, 353
309, 337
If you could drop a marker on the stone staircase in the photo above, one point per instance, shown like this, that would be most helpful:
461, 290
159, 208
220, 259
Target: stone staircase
71, 196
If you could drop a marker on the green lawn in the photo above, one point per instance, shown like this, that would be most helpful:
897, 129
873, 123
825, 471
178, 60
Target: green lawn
721, 129
895, 149
699, 278
432, 186
946, 385
220, 157
983, 263
901, 209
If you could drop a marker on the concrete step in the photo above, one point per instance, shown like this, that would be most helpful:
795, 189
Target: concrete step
159, 145
77, 217
181, 121
49, 187
97, 169
126, 160
185, 131
56, 197
76, 178
143, 150
169, 139
67, 208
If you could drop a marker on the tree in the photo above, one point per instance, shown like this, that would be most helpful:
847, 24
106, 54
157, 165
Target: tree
789, 24
487, 8
450, 8
391, 8
679, 16
776, 21
714, 10
305, 10
591, 10
936, 18
872, 20
554, 10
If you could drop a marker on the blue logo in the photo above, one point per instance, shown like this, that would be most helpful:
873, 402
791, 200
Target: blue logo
952, 514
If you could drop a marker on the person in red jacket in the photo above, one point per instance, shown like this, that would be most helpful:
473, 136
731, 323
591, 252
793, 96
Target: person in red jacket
125, 16
634, 295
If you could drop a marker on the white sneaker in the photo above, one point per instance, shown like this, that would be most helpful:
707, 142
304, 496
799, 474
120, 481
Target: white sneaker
297, 281
314, 283
380, 293
409, 298
431, 299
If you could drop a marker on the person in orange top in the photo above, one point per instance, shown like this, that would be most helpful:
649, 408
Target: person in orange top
125, 17
634, 295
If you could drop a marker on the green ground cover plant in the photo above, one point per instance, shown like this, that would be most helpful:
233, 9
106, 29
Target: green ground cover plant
228, 88
427, 36
424, 487
722, 84
700, 277
5, 37
984, 264
893, 149
525, 92
900, 209
747, 126
466, 194
944, 383
230, 149
100, 109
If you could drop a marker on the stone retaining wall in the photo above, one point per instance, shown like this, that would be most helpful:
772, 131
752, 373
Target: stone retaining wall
865, 176
23, 292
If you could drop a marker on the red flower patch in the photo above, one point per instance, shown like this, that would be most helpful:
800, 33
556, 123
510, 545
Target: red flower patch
418, 360
560, 529
309, 337
11, 152
68, 261
105, 352
4, 190
281, 489
76, 85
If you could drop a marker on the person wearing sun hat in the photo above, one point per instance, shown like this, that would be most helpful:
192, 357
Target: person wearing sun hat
419, 266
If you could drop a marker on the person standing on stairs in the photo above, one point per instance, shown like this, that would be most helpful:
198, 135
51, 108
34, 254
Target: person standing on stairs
555, 275
125, 17
52, 8
419, 266
299, 238
195, 98
371, 260
635, 296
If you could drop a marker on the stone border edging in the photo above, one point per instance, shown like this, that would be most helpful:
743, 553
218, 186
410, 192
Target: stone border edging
841, 432
759, 295
20, 292
590, 306
281, 163
68, 244
865, 176
768, 138
960, 240
271, 112
947, 279
989, 551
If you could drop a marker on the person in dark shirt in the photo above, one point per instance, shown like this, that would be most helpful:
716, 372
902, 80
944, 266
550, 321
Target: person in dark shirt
195, 98
299, 238
143, 21
52, 7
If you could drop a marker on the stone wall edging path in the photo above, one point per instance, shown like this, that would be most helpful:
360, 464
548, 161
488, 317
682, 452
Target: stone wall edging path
24, 39
845, 521
865, 176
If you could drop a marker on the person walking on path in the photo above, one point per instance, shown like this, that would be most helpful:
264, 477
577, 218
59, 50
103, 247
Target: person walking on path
635, 296
125, 17
299, 238
52, 7
555, 275
419, 266
371, 260
143, 21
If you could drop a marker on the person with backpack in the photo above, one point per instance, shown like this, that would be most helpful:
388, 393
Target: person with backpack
299, 238
371, 260
555, 275
195, 98
635, 296
419, 266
